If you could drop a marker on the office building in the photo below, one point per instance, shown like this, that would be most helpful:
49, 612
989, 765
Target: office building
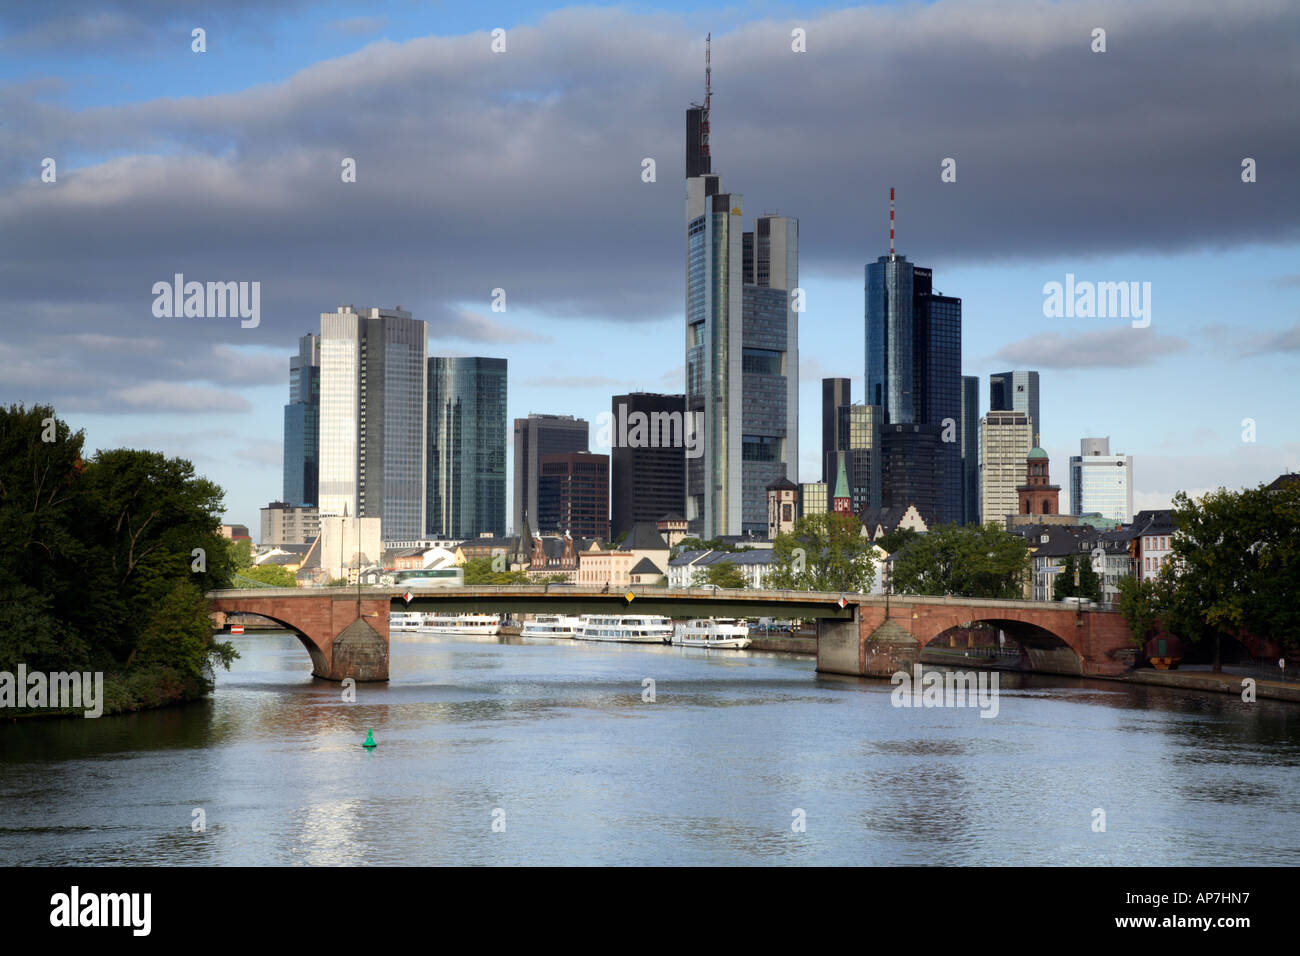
913, 364
742, 352
836, 392
858, 438
1017, 392
535, 436
573, 495
372, 418
813, 498
1101, 482
302, 424
466, 478
647, 459
970, 448
913, 462
1005, 441
283, 523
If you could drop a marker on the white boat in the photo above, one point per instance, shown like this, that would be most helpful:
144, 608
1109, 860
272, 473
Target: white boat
713, 632
439, 622
625, 628
405, 620
551, 625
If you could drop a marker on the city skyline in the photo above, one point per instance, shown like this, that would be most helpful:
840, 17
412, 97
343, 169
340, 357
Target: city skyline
213, 391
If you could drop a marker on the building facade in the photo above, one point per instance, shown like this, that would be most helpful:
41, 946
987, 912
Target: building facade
1017, 392
913, 365
1005, 441
860, 448
647, 472
912, 470
302, 425
535, 436
742, 348
836, 392
1038, 496
372, 418
814, 498
970, 449
466, 480
1101, 482
573, 495
283, 523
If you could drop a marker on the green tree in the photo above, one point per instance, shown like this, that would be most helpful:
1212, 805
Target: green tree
724, 574
479, 571
1089, 582
1063, 585
1076, 579
972, 561
896, 540
824, 552
272, 574
1140, 605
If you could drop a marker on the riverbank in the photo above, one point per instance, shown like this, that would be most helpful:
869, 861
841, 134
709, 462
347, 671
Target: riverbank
125, 692
788, 643
1221, 683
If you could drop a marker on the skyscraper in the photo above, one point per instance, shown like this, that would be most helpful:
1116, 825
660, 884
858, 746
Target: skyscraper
535, 436
835, 392
573, 495
647, 477
858, 439
913, 460
1005, 441
302, 424
742, 346
1017, 392
1101, 482
913, 364
372, 418
466, 447
970, 446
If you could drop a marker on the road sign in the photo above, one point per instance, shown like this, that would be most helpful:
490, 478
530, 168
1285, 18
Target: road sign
236, 629
407, 597
630, 596
842, 602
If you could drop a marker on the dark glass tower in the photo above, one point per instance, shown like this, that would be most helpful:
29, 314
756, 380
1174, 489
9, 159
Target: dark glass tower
912, 472
835, 392
302, 424
913, 363
535, 436
647, 481
466, 485
573, 495
858, 438
1017, 392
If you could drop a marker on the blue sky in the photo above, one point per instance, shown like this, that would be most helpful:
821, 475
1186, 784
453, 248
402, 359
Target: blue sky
1127, 172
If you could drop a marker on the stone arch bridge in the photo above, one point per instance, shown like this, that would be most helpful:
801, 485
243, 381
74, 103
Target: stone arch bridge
346, 631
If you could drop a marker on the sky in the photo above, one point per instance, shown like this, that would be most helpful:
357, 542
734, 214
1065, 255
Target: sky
523, 170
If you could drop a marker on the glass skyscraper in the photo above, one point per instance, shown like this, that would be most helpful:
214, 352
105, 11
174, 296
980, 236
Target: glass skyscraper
302, 424
913, 365
372, 418
970, 444
742, 348
535, 436
858, 439
1101, 482
466, 481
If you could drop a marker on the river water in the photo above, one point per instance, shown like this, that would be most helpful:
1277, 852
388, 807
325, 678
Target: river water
505, 751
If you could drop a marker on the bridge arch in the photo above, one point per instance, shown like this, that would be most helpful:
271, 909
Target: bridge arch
1045, 649
318, 660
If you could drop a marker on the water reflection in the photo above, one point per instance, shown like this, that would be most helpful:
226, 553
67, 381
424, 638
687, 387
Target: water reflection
555, 735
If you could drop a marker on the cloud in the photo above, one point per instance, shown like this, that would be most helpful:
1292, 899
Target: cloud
1124, 347
1289, 281
168, 397
577, 381
1286, 340
476, 327
359, 26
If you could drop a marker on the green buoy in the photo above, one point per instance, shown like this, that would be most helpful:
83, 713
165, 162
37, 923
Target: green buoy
370, 740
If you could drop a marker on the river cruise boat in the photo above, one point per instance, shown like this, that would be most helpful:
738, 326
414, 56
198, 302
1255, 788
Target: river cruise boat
443, 623
405, 620
713, 632
551, 625
625, 628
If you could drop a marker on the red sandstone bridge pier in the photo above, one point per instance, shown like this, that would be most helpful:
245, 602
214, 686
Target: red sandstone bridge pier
346, 631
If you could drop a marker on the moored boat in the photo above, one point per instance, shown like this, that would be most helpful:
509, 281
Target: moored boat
445, 623
625, 628
721, 632
551, 625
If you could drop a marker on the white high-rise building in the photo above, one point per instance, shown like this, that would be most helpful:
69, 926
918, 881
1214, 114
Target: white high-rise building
372, 418
1101, 482
1005, 440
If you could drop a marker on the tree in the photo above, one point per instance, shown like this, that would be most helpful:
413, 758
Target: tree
1140, 606
972, 561
724, 574
1076, 579
1063, 585
1089, 582
824, 552
272, 574
479, 571
894, 541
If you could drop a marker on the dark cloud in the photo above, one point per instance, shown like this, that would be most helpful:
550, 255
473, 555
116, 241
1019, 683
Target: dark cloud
523, 170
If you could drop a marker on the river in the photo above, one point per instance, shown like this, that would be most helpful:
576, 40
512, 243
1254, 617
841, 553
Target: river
505, 751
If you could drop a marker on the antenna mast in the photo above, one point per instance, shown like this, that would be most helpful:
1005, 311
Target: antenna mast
891, 222
708, 93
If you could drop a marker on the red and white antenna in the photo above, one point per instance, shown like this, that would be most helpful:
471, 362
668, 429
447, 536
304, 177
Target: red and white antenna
891, 222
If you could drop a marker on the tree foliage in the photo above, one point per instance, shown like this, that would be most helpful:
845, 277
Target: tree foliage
972, 561
1076, 579
724, 574
896, 540
103, 562
272, 574
824, 552
479, 571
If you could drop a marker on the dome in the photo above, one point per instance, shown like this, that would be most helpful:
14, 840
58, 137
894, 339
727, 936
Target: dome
1036, 452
